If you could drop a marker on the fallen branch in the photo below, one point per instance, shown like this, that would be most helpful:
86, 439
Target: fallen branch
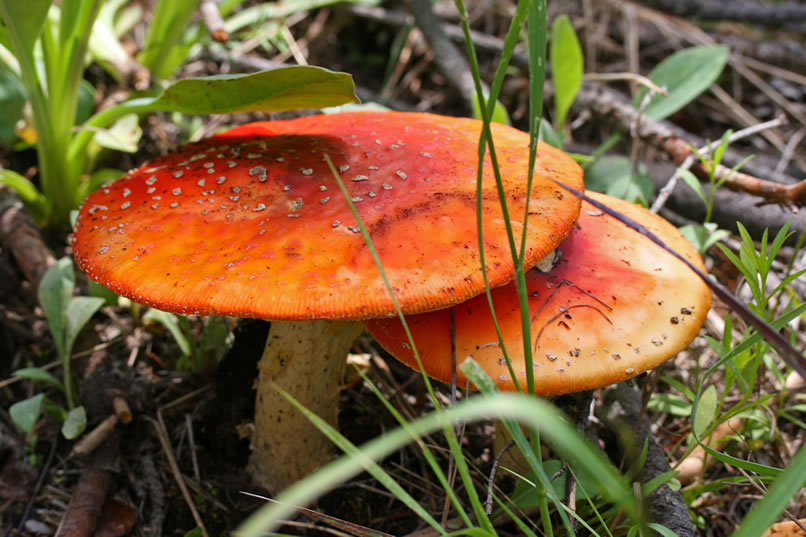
617, 111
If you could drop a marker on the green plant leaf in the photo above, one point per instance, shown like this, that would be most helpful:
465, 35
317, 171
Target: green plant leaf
705, 411
613, 175
79, 311
38, 374
25, 413
692, 181
685, 75
500, 114
28, 193
122, 136
169, 321
765, 512
55, 292
566, 67
25, 19
277, 90
12, 99
670, 403
75, 423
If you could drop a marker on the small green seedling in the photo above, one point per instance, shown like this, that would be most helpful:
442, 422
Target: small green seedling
200, 352
67, 315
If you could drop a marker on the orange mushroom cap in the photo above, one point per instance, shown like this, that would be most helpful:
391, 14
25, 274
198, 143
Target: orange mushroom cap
251, 222
614, 306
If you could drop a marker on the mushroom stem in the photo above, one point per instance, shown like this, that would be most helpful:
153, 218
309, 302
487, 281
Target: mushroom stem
305, 359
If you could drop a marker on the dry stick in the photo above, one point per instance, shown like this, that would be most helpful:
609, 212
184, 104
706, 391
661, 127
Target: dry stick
691, 158
165, 442
448, 58
659, 134
213, 21
776, 340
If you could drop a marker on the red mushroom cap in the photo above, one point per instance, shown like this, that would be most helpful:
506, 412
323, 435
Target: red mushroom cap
251, 222
614, 306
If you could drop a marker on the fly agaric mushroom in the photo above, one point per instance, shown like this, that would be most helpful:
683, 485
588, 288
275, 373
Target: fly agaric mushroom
613, 306
251, 223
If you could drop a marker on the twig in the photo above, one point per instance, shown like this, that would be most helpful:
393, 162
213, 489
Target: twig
213, 21
633, 77
691, 158
94, 438
448, 58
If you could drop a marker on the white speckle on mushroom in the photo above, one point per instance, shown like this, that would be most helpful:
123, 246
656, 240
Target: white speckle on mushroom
125, 205
260, 171
103, 249
296, 204
229, 217
178, 173
503, 378
371, 194
426, 155
231, 163
253, 155
221, 180
259, 207
208, 164
378, 142
234, 198
551, 356
427, 179
98, 208
401, 174
150, 190
176, 191
295, 215
156, 197
616, 356
280, 159
630, 371
155, 205
359, 178
343, 168
236, 189
354, 229
324, 200
107, 191
356, 199
126, 192
174, 205
200, 182
386, 186
262, 231
372, 167
306, 171
151, 180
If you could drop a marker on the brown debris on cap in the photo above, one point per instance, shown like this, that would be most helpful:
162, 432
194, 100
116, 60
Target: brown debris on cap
252, 223
614, 306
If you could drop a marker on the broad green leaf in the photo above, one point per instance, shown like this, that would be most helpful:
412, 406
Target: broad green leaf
551, 136
613, 175
75, 423
122, 136
670, 403
165, 33
566, 67
500, 114
286, 88
24, 19
12, 99
168, 320
685, 75
79, 311
706, 410
38, 374
25, 189
55, 292
25, 413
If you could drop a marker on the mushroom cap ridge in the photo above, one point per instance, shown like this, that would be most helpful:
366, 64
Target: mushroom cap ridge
251, 222
614, 306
